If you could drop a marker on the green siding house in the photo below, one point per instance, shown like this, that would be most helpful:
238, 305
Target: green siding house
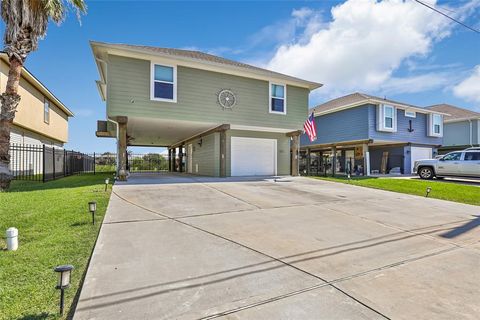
217, 117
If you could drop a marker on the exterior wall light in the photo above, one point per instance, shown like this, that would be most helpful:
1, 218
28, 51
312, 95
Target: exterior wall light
429, 189
64, 275
92, 207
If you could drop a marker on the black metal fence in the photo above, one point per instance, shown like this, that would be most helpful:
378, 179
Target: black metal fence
44, 163
150, 162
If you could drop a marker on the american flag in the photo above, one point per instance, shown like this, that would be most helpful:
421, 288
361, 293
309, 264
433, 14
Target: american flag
309, 128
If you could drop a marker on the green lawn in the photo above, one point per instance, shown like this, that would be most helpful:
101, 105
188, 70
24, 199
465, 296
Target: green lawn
54, 228
440, 189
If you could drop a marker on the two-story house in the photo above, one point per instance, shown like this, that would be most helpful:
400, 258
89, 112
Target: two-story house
41, 118
371, 135
461, 128
219, 117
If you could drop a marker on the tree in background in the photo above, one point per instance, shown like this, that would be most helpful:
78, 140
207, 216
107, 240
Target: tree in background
26, 22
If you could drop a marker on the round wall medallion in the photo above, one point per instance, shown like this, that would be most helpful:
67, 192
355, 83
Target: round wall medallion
226, 99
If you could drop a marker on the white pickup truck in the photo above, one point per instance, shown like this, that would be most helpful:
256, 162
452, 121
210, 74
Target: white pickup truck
464, 163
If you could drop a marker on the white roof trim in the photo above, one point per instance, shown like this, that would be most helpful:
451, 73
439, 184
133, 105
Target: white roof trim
102, 50
376, 102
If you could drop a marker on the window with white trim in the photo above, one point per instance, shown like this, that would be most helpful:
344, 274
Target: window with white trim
278, 95
435, 125
410, 114
388, 116
164, 83
46, 111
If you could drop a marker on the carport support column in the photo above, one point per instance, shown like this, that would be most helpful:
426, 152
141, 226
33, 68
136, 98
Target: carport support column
295, 146
174, 159
334, 164
366, 160
169, 159
122, 148
223, 153
180, 159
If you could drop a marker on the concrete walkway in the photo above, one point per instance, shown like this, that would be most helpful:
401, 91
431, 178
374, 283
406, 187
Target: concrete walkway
180, 247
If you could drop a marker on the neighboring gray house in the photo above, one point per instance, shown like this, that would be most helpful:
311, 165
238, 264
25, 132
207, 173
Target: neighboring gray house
218, 117
461, 128
372, 135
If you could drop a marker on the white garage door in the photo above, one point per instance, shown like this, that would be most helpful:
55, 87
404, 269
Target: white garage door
418, 153
253, 156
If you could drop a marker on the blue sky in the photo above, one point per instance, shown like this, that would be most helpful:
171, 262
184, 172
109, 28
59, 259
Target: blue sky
393, 48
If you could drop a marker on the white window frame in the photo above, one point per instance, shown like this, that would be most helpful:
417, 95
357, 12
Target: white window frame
270, 98
410, 114
431, 125
381, 118
46, 102
152, 81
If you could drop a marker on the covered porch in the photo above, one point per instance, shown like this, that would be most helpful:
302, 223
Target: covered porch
358, 158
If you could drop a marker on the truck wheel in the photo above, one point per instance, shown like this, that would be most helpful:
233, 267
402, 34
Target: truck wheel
425, 173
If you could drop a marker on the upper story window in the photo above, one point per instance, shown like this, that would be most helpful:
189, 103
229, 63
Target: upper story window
164, 83
410, 114
278, 98
46, 111
386, 118
436, 125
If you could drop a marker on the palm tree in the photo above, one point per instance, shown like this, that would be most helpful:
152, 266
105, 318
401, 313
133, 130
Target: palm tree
26, 22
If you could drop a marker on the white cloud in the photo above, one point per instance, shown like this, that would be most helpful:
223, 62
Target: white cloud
364, 44
469, 88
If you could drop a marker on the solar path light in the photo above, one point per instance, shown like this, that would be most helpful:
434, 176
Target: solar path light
107, 181
429, 189
64, 275
92, 207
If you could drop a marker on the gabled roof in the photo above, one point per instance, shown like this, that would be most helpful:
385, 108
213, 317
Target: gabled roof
27, 75
455, 113
196, 59
357, 99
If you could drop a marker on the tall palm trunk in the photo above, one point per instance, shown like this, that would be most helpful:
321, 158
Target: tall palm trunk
9, 102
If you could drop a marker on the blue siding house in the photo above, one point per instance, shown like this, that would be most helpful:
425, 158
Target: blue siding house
370, 135
462, 128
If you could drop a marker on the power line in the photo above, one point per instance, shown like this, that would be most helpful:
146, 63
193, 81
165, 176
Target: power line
447, 16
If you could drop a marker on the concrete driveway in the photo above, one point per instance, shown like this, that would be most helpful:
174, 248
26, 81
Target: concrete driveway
179, 247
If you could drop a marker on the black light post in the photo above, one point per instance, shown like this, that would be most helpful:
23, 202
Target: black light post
92, 207
64, 275
429, 189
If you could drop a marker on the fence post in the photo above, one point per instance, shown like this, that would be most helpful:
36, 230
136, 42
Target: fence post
94, 172
43, 163
53, 161
64, 162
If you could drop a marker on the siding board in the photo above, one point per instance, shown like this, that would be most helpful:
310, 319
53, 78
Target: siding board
129, 79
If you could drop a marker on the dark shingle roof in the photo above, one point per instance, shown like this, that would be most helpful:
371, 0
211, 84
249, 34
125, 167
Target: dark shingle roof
206, 57
454, 112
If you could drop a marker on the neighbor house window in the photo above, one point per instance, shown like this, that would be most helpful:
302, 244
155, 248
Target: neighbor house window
46, 111
388, 117
436, 125
164, 86
278, 102
410, 114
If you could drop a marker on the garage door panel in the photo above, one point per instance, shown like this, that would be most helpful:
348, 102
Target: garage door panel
420, 153
253, 156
